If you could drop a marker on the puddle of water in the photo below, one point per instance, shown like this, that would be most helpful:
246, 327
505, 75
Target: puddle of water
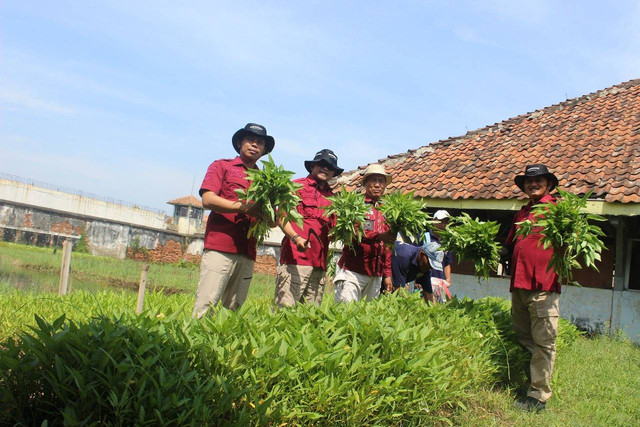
38, 281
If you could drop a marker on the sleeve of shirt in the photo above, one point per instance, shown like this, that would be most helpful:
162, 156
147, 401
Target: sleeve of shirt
213, 178
448, 259
397, 277
386, 269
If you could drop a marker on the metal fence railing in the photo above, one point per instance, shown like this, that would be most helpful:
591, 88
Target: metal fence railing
75, 192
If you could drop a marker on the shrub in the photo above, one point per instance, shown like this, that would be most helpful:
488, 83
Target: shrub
81, 245
388, 362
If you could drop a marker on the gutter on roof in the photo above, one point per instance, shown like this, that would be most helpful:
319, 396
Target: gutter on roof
593, 206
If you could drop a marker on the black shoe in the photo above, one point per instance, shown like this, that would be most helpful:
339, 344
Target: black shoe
530, 404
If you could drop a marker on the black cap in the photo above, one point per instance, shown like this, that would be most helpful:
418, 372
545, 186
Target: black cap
536, 170
327, 156
253, 129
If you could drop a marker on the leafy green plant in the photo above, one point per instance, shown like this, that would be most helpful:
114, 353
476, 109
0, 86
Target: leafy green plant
81, 245
105, 371
271, 188
385, 362
349, 210
565, 227
405, 214
473, 240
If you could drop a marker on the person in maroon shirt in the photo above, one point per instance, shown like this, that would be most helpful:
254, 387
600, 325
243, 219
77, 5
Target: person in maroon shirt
227, 262
363, 269
303, 259
535, 291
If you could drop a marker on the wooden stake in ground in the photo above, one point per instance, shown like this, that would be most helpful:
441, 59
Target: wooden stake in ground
141, 288
64, 268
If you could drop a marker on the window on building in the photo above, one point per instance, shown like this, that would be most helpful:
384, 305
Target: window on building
196, 213
180, 211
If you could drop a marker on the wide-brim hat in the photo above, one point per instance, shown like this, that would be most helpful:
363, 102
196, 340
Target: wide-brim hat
536, 170
375, 169
435, 255
327, 156
253, 129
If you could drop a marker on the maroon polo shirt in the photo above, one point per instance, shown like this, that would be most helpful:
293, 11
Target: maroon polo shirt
310, 207
227, 232
529, 261
369, 257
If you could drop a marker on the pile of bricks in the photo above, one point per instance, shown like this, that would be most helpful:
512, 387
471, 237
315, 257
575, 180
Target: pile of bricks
265, 264
171, 252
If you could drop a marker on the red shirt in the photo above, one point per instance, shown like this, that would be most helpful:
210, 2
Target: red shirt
227, 232
529, 261
371, 258
313, 197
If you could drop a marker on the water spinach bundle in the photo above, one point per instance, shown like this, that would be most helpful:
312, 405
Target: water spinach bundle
404, 214
473, 240
349, 210
565, 227
271, 188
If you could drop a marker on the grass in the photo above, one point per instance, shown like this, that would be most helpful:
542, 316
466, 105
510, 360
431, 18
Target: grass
41, 268
596, 382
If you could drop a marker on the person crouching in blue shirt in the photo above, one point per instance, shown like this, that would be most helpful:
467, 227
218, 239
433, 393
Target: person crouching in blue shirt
409, 263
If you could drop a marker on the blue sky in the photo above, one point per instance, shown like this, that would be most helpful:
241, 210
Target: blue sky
134, 99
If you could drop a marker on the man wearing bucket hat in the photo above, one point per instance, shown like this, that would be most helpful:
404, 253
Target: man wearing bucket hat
409, 263
362, 270
303, 259
535, 291
227, 262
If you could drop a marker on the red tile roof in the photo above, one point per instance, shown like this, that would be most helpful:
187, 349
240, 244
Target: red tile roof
591, 143
187, 201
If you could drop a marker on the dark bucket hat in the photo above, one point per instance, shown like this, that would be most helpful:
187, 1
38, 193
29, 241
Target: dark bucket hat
253, 129
536, 170
327, 156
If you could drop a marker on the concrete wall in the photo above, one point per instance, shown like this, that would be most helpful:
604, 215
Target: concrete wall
106, 238
594, 310
55, 200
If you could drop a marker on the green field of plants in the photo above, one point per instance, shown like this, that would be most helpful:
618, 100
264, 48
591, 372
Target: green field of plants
87, 358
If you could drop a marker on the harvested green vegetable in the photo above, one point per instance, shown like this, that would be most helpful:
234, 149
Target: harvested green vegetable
349, 209
565, 227
404, 214
273, 190
473, 240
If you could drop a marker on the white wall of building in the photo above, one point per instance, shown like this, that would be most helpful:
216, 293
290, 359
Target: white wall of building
597, 310
32, 195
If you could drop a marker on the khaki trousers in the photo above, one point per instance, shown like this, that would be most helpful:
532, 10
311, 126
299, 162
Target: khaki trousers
223, 276
350, 286
298, 283
535, 320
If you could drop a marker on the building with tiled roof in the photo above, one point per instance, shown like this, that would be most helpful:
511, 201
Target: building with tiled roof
188, 215
186, 201
592, 143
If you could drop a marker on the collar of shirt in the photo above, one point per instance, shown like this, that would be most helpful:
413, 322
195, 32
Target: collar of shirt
312, 181
371, 201
238, 162
545, 199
